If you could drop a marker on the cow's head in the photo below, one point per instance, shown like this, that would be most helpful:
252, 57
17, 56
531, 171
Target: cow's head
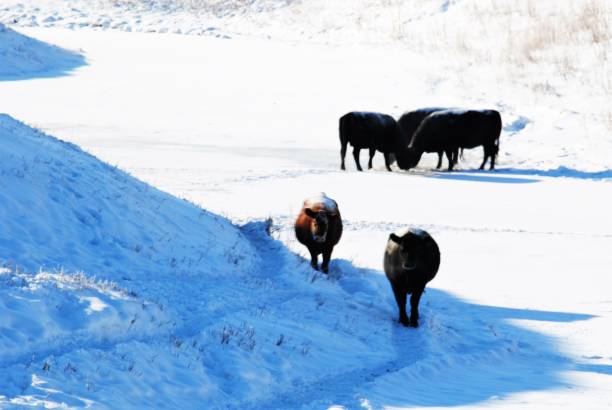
319, 225
409, 249
407, 158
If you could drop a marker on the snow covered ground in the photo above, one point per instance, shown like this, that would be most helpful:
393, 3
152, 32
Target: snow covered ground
117, 295
23, 57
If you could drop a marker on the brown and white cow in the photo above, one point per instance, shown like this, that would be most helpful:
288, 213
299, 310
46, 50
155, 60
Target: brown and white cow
319, 228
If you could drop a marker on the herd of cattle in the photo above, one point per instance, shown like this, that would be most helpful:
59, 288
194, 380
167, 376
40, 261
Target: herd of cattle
411, 257
437, 130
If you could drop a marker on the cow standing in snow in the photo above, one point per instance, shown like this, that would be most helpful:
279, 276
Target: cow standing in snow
410, 121
319, 228
450, 130
412, 259
372, 131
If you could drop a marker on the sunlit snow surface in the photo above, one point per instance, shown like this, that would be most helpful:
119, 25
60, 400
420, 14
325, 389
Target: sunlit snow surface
117, 295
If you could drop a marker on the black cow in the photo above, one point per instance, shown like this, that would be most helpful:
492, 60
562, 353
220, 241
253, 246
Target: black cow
409, 122
372, 131
482, 127
450, 130
412, 259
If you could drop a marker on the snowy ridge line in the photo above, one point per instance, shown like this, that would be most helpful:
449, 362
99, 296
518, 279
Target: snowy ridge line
24, 57
285, 222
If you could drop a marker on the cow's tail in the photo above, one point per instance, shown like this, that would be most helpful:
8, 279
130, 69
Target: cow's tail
344, 135
498, 132
343, 130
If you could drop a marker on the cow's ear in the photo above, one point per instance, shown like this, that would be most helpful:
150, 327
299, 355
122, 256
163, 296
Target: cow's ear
395, 238
310, 212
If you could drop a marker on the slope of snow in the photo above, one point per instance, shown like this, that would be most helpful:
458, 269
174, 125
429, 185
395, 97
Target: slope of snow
251, 325
248, 324
90, 216
137, 254
116, 295
24, 57
200, 312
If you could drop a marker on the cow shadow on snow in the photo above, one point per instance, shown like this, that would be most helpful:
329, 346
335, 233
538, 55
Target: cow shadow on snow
559, 172
521, 176
462, 353
29, 58
480, 176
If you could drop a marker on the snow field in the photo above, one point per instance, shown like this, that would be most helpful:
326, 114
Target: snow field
519, 314
283, 336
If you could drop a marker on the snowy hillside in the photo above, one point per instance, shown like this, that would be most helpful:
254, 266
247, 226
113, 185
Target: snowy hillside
162, 303
21, 57
164, 272
96, 265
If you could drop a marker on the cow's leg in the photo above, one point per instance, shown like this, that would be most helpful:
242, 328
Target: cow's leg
372, 153
342, 155
439, 160
400, 297
356, 156
387, 160
449, 156
493, 155
314, 259
414, 306
486, 156
326, 258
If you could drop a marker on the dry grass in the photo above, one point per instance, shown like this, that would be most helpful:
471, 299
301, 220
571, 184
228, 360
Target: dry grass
554, 47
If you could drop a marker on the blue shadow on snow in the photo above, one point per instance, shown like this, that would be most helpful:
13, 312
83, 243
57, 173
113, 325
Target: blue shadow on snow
463, 353
559, 172
25, 58
521, 176
517, 125
482, 176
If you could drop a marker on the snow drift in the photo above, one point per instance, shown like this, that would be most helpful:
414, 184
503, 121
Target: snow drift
23, 57
92, 258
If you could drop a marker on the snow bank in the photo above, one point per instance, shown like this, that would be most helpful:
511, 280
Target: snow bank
96, 264
71, 211
24, 57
